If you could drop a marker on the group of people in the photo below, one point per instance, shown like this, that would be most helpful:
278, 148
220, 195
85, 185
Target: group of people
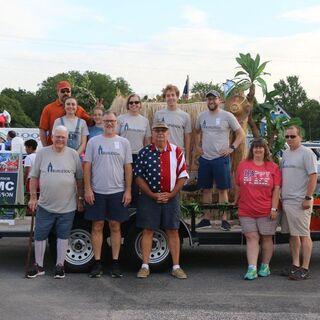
125, 160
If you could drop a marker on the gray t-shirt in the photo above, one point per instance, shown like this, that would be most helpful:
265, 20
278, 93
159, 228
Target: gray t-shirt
58, 173
215, 127
296, 166
108, 157
179, 123
135, 129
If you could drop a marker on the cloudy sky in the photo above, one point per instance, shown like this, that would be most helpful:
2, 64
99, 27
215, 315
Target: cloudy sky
152, 43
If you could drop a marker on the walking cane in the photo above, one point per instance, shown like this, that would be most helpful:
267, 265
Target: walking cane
30, 243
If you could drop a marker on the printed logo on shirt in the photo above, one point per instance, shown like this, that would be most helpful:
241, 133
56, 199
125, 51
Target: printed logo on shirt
212, 127
126, 127
101, 152
257, 178
51, 169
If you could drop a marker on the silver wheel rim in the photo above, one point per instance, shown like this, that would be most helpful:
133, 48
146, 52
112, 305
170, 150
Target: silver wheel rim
80, 249
160, 248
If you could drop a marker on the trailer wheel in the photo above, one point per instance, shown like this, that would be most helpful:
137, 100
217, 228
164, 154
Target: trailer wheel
160, 257
79, 256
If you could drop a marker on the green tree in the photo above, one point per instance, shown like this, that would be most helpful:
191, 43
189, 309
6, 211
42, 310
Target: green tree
18, 117
200, 89
86, 87
27, 100
309, 113
291, 95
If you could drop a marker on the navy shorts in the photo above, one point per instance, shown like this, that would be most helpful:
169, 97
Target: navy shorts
153, 215
216, 170
107, 207
46, 220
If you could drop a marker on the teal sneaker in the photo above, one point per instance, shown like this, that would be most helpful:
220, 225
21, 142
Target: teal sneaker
251, 274
264, 270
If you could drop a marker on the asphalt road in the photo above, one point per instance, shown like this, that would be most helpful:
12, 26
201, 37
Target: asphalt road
214, 290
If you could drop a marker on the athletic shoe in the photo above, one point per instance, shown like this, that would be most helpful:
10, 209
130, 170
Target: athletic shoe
264, 270
204, 223
251, 274
286, 272
143, 273
59, 272
115, 270
225, 225
300, 274
35, 271
96, 271
179, 274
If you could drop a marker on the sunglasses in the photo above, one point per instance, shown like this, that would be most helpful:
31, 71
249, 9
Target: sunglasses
134, 102
290, 136
65, 91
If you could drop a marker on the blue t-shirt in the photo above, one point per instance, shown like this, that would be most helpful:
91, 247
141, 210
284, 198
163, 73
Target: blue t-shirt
94, 131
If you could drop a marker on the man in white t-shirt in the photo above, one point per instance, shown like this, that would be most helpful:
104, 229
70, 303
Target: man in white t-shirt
178, 121
107, 180
31, 148
212, 143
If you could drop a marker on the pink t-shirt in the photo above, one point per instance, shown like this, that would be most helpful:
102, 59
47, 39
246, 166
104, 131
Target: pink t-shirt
256, 184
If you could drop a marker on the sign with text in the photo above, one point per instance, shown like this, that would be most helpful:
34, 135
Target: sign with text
11, 182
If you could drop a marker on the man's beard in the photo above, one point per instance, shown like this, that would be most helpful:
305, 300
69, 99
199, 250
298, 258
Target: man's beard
212, 107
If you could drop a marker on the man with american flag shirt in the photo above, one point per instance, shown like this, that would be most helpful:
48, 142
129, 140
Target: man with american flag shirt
160, 172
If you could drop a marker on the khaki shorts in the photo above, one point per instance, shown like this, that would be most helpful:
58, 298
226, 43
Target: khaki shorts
295, 220
264, 225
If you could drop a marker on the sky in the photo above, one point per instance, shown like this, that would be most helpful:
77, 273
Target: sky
153, 43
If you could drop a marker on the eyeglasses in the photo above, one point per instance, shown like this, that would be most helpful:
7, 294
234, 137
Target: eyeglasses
134, 102
65, 91
107, 121
159, 130
290, 136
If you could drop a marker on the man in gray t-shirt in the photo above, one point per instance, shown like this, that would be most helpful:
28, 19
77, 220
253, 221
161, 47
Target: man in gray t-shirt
212, 143
107, 180
299, 180
178, 121
59, 170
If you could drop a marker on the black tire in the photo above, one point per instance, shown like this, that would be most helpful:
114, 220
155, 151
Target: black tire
79, 257
160, 257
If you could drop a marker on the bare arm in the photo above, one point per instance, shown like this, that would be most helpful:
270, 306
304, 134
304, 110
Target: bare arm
187, 144
43, 137
198, 142
275, 202
33, 202
83, 144
88, 193
128, 182
80, 194
239, 137
311, 186
141, 183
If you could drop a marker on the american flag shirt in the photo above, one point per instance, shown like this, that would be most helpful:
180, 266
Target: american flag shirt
161, 170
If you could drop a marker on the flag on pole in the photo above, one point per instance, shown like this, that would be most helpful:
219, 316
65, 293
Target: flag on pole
185, 94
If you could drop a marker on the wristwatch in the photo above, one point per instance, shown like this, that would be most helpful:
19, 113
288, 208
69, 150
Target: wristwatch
233, 147
274, 209
80, 198
308, 198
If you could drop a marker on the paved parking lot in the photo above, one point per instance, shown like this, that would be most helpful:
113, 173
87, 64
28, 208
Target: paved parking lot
214, 290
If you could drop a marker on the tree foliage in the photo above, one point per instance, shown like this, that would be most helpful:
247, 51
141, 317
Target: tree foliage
18, 117
291, 95
200, 89
86, 87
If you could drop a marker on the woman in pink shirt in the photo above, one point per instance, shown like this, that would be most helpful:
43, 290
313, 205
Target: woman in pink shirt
257, 189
